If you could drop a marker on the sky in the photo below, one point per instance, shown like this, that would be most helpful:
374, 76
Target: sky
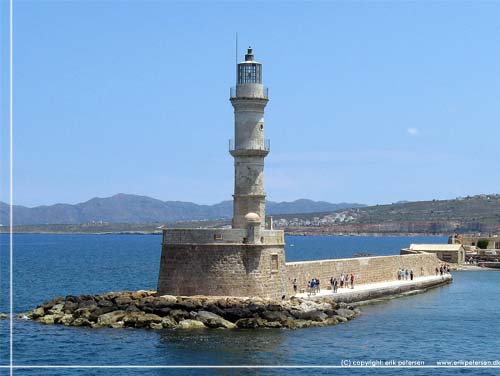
370, 102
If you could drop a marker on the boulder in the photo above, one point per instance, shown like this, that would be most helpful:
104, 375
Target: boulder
47, 319
213, 321
123, 300
236, 313
144, 320
130, 318
105, 303
273, 324
344, 312
250, 323
168, 322
117, 325
47, 305
81, 321
340, 318
155, 325
56, 309
67, 319
190, 324
37, 312
70, 307
110, 318
4, 316
83, 313
179, 314
168, 300
279, 316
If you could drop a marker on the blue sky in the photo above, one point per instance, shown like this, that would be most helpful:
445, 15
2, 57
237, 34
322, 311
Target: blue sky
370, 102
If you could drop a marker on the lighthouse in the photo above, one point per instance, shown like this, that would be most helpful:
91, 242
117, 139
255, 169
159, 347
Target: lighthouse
247, 259
249, 147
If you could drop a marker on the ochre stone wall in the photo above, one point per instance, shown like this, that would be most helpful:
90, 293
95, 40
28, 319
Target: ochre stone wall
365, 269
222, 269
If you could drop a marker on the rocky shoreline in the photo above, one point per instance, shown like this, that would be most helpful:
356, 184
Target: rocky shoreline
143, 309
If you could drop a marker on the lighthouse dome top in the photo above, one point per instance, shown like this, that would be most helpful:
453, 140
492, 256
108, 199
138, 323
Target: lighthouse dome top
252, 217
249, 57
249, 71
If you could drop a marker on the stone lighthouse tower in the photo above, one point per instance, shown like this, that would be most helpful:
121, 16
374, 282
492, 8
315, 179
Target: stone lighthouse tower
249, 148
247, 259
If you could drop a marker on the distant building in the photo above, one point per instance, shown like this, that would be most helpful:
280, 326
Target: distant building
476, 242
452, 253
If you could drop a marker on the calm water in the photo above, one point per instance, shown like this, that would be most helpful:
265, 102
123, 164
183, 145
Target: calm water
456, 322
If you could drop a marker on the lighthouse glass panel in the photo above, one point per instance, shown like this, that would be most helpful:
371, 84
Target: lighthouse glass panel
249, 74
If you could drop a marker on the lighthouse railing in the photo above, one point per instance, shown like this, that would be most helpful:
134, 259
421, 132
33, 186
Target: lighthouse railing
265, 145
236, 92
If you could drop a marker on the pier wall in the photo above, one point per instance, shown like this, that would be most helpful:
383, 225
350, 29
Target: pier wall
365, 269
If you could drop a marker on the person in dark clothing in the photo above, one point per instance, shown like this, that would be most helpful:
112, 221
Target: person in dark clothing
411, 274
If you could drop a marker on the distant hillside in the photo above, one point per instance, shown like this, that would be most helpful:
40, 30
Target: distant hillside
125, 208
479, 213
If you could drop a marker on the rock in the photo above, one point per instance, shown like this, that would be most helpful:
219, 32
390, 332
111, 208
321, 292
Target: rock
83, 313
67, 319
144, 320
104, 303
56, 309
344, 312
179, 314
155, 325
340, 318
331, 321
89, 304
47, 319
275, 316
110, 318
69, 307
4, 316
117, 325
133, 308
236, 313
272, 324
190, 324
214, 321
81, 321
37, 312
168, 322
168, 299
47, 305
123, 301
248, 323
162, 311
210, 307
130, 318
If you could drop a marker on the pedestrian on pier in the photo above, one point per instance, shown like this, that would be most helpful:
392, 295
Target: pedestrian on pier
295, 285
411, 274
352, 281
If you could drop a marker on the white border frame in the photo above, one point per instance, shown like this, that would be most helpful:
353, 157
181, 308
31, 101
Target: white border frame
11, 365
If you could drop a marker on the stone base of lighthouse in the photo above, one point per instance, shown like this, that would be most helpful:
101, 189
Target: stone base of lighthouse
220, 262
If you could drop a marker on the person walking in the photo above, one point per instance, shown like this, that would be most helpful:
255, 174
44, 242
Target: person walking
411, 274
342, 280
352, 281
335, 285
295, 285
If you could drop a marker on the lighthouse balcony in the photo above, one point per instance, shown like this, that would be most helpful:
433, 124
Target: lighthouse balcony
249, 91
254, 148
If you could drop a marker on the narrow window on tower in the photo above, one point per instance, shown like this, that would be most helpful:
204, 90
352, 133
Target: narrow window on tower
274, 263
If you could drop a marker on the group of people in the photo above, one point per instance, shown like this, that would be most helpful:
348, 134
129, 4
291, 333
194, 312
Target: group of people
344, 281
405, 274
443, 269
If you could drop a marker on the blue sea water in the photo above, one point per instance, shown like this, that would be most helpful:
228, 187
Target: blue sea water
455, 322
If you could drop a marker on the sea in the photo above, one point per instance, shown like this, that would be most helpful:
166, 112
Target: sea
455, 323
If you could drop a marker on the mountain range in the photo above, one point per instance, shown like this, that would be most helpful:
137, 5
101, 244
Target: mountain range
127, 208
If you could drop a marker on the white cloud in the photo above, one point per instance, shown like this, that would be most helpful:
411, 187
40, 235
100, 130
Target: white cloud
413, 131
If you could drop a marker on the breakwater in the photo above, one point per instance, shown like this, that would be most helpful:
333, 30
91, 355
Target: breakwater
143, 309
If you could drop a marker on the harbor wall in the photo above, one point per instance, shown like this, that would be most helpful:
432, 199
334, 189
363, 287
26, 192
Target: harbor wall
365, 269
